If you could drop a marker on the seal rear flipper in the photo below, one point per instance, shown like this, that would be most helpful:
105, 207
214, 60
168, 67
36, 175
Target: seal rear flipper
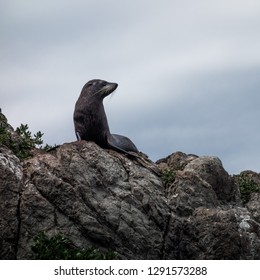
113, 145
121, 144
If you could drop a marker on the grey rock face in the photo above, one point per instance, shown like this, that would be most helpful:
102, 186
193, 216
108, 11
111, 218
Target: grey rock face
11, 180
208, 220
203, 182
101, 198
254, 206
97, 198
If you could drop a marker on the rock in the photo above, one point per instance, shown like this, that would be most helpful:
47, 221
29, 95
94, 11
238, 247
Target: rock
96, 197
11, 181
103, 199
255, 177
197, 182
8, 136
254, 206
207, 221
209, 183
176, 161
213, 233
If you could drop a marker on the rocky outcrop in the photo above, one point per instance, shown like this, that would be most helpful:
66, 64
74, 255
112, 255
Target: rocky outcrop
208, 220
103, 199
97, 198
11, 182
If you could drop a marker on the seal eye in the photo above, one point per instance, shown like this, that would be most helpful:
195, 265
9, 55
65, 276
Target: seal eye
90, 84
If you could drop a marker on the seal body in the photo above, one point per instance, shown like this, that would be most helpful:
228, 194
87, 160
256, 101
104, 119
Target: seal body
90, 119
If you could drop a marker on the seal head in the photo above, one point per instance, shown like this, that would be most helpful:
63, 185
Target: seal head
90, 119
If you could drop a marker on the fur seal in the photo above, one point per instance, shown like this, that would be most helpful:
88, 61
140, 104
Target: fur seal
90, 119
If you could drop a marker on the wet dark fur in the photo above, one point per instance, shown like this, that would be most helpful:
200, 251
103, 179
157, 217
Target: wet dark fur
90, 119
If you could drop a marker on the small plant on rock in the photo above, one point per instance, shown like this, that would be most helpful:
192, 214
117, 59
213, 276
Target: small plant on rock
21, 141
247, 186
60, 247
168, 176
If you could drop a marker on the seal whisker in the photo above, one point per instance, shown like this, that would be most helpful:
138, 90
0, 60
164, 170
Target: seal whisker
105, 89
98, 91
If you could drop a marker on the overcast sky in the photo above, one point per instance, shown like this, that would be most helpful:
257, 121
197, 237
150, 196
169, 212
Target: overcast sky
188, 72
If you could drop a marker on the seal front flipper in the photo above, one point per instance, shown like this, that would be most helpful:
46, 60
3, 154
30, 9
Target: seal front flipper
121, 144
78, 135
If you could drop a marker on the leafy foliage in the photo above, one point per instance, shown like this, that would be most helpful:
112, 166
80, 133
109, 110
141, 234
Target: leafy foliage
28, 142
247, 185
48, 147
61, 248
22, 142
5, 136
168, 176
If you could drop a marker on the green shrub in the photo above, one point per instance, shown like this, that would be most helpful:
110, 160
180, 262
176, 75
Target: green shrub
247, 186
24, 142
5, 137
28, 142
61, 248
168, 176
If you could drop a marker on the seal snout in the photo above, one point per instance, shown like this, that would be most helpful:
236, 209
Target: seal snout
113, 86
109, 88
